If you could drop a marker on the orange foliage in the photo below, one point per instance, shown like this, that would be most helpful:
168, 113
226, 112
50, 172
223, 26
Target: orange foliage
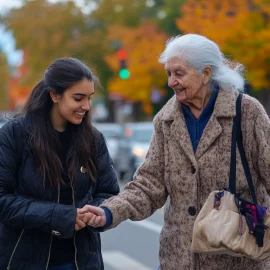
240, 27
143, 45
18, 94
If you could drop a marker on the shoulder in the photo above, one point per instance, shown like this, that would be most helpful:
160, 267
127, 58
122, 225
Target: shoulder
252, 107
13, 127
167, 112
99, 140
98, 136
251, 103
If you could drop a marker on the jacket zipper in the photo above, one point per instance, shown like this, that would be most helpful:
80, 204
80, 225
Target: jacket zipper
58, 199
11, 257
76, 263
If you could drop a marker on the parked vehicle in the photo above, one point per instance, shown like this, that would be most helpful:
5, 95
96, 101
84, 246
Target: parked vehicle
127, 144
112, 133
2, 123
133, 148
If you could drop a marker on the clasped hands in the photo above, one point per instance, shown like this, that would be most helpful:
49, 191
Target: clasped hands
91, 216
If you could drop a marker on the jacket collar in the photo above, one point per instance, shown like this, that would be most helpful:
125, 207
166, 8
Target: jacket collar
224, 106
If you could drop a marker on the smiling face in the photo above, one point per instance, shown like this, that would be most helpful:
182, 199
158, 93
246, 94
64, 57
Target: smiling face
72, 105
188, 84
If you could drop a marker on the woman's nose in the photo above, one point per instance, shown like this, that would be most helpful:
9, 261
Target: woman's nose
172, 82
86, 105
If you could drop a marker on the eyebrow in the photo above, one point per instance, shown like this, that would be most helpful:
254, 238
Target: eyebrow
174, 68
83, 95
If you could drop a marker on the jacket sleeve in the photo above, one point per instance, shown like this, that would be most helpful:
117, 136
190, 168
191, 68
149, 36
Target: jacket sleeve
261, 146
106, 185
147, 192
23, 212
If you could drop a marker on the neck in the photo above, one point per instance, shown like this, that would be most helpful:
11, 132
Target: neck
57, 121
197, 104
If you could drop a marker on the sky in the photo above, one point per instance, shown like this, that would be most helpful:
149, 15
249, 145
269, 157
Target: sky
7, 42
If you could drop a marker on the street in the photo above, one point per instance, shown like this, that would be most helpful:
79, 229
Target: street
133, 245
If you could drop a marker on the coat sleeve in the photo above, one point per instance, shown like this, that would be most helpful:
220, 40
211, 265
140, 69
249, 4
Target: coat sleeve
107, 185
147, 192
261, 146
22, 212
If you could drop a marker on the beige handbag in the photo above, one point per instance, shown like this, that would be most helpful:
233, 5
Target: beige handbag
228, 224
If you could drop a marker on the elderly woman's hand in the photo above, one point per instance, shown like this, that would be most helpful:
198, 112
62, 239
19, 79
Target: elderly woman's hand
93, 216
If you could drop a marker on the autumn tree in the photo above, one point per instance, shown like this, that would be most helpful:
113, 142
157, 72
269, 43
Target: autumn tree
143, 45
4, 79
240, 27
119, 12
49, 31
166, 14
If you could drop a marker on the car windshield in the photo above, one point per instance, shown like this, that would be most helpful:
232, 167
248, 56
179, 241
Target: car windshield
110, 133
142, 135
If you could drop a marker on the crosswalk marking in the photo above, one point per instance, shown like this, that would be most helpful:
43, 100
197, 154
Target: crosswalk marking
121, 261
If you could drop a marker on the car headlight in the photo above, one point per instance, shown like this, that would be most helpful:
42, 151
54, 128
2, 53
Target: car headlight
139, 152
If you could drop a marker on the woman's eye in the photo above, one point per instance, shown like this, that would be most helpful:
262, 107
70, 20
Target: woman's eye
77, 99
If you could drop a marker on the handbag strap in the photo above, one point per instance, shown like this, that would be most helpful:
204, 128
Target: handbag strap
237, 137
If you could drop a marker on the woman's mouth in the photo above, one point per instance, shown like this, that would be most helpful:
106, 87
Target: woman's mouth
179, 90
81, 114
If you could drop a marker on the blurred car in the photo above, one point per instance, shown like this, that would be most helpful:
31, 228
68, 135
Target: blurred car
2, 123
3, 119
112, 133
133, 148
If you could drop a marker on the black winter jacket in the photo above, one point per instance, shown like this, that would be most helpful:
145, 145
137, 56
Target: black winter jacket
29, 212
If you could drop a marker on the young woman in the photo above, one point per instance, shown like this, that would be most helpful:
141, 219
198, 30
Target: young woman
52, 163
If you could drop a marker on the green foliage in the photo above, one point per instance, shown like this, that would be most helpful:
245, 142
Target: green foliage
48, 31
167, 11
121, 12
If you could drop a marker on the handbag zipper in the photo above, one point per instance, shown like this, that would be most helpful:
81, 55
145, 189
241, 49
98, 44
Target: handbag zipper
76, 263
11, 257
58, 199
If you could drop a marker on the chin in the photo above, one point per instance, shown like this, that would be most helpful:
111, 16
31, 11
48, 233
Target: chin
181, 98
76, 121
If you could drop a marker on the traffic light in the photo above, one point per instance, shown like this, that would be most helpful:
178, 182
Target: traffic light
123, 70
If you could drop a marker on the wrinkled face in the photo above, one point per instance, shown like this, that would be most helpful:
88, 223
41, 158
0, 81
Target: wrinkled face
72, 105
186, 82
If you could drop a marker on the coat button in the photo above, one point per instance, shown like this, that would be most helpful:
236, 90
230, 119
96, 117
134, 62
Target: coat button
193, 170
192, 210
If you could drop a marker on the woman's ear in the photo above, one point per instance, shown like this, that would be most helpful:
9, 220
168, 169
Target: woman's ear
207, 74
54, 96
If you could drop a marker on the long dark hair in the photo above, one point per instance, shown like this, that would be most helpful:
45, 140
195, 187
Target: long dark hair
43, 139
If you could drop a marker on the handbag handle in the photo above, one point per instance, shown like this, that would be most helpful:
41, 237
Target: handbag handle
237, 137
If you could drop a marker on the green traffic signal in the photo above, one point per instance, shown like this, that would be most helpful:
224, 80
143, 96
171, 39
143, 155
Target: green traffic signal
124, 74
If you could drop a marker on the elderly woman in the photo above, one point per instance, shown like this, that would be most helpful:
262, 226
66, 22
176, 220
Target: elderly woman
190, 150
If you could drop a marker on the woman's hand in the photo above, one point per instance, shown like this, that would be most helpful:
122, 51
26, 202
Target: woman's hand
79, 221
93, 216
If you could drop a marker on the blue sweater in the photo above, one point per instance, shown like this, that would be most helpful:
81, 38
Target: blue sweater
196, 126
195, 129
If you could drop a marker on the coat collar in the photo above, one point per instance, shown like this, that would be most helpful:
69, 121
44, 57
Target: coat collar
224, 107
